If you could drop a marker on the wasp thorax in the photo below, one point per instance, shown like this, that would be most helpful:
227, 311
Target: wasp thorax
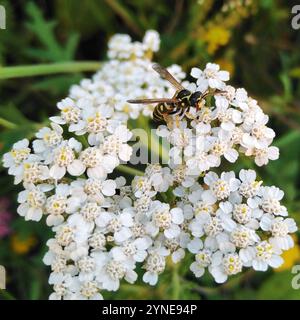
183, 94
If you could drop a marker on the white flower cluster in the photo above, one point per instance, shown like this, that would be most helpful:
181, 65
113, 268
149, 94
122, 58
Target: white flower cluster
103, 228
239, 223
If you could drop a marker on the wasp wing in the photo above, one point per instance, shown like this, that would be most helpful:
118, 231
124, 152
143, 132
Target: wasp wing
165, 74
149, 101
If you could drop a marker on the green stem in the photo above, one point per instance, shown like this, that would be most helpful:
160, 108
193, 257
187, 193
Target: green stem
164, 197
205, 290
129, 170
7, 124
175, 282
51, 68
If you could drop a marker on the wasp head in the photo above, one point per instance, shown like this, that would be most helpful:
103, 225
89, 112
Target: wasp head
195, 97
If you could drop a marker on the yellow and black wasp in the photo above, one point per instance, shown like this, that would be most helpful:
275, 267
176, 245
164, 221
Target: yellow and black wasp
179, 104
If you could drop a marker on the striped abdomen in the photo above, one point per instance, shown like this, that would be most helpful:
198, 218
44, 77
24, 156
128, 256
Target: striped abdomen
169, 109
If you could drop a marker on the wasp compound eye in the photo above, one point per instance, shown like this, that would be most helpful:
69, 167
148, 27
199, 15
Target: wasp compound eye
195, 97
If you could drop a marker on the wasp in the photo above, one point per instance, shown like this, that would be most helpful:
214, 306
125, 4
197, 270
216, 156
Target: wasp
180, 104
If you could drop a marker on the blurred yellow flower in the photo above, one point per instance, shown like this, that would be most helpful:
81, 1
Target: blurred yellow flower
290, 257
216, 36
22, 245
226, 64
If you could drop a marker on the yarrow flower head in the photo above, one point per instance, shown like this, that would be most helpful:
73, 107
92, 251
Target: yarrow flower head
106, 227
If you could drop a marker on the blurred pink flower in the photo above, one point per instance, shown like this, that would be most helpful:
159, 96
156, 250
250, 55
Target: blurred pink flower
5, 217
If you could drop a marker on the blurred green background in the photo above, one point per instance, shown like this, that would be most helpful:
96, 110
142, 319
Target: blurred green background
254, 40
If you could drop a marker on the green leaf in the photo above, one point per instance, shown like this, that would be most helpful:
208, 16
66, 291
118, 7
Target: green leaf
287, 166
51, 49
6, 295
287, 85
58, 85
288, 139
12, 114
71, 45
100, 16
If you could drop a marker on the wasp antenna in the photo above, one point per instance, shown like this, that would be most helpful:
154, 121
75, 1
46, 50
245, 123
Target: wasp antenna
220, 91
156, 66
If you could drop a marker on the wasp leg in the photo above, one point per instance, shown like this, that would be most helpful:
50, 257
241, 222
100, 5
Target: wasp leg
205, 94
189, 115
200, 104
181, 112
177, 121
184, 112
220, 92
168, 120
